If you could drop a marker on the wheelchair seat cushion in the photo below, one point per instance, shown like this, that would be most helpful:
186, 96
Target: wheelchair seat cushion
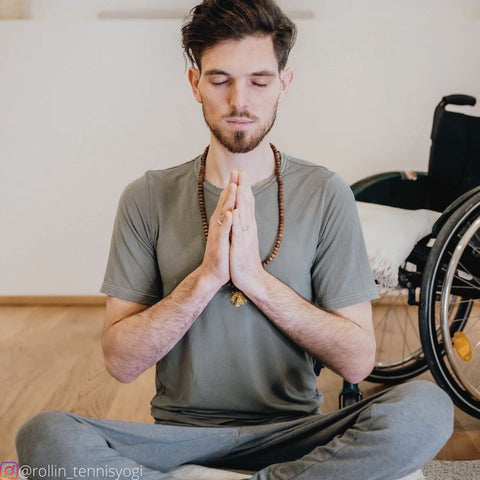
390, 235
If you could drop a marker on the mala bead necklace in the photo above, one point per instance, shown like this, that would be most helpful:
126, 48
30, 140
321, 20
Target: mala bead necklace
238, 298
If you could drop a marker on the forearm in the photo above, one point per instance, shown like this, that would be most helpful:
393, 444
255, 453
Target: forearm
136, 337
340, 343
134, 343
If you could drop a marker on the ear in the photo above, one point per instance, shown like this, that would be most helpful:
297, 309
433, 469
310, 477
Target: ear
194, 78
286, 78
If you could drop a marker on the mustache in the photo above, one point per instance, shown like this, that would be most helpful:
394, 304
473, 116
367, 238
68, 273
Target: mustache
238, 114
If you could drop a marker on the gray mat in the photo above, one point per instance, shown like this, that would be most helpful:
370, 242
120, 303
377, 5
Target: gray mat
435, 470
443, 470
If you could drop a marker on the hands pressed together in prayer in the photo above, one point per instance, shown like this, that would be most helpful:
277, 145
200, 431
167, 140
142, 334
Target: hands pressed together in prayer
232, 246
336, 338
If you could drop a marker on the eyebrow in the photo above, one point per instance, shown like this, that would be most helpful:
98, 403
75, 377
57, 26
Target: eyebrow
262, 73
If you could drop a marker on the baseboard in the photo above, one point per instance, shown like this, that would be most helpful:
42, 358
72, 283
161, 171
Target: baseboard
53, 300
90, 300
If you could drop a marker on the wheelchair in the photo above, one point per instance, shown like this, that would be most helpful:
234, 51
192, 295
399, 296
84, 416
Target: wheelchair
431, 319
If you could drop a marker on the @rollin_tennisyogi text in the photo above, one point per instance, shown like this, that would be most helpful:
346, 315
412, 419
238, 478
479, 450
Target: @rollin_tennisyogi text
13, 471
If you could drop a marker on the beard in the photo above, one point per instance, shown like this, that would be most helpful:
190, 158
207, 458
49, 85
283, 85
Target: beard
240, 141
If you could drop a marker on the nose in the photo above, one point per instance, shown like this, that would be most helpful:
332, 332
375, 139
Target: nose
238, 96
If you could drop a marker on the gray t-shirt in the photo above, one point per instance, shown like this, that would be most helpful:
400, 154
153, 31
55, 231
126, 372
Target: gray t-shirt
234, 366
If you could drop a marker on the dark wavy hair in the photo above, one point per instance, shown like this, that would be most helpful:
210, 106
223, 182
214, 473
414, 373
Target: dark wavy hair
214, 21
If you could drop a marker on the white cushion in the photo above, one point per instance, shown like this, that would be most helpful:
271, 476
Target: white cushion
197, 472
390, 235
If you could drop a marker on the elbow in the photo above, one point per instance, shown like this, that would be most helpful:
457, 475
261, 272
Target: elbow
356, 376
364, 366
360, 371
114, 364
118, 373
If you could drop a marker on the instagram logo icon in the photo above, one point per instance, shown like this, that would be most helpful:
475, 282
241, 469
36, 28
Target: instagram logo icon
8, 470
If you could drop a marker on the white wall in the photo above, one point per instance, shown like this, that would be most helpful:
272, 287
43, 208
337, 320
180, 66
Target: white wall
88, 105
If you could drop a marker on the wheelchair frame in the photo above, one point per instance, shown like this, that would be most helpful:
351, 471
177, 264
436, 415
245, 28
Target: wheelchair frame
434, 297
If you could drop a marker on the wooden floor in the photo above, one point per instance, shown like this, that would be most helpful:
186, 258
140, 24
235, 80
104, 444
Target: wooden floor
51, 359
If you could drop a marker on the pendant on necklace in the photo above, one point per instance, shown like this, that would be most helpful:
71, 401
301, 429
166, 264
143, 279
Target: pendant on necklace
238, 298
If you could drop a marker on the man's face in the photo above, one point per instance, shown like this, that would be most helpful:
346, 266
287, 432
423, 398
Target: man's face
239, 87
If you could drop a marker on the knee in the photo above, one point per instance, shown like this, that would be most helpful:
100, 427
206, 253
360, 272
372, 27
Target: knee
432, 406
39, 435
422, 413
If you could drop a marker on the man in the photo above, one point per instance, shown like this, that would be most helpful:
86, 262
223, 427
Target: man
239, 274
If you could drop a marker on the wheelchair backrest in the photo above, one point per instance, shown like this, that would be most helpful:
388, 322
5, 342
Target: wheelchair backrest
454, 165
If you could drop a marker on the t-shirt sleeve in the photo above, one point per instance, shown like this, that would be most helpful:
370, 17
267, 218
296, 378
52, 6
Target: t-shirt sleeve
341, 273
132, 269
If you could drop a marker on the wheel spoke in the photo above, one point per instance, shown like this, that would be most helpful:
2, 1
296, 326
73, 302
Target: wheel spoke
459, 360
399, 351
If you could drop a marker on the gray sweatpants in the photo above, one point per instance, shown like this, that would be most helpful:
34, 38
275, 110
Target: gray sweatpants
386, 436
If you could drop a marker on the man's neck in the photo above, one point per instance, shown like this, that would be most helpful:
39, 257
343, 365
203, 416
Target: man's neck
258, 164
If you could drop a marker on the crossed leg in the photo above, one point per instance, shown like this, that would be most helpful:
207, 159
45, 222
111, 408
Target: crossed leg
386, 436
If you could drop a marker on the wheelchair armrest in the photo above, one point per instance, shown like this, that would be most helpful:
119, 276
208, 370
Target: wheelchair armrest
396, 189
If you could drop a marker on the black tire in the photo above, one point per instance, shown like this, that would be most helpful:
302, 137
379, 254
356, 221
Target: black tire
446, 305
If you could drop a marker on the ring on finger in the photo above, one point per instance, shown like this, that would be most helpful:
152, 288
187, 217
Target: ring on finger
244, 228
220, 221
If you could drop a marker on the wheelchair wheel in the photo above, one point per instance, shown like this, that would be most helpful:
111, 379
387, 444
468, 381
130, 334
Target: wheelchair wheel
399, 355
449, 320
